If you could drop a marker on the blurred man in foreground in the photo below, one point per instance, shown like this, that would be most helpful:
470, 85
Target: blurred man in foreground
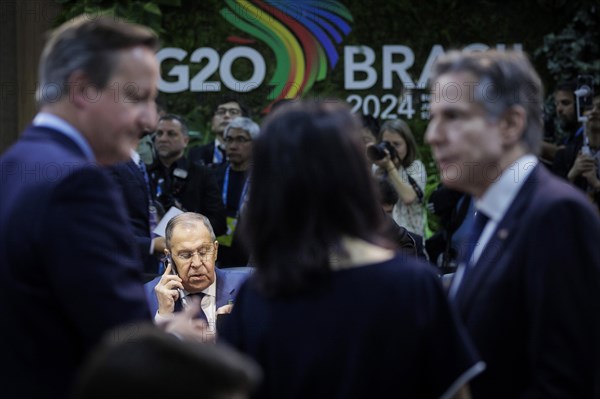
528, 289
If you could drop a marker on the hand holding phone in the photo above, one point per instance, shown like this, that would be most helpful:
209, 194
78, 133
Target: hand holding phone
168, 290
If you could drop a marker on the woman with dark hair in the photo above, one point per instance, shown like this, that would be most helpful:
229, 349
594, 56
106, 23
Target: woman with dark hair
330, 311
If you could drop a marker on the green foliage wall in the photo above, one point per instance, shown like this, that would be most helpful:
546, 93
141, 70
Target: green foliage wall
563, 37
190, 24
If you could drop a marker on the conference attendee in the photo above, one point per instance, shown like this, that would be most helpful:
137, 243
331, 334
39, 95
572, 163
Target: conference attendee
370, 128
68, 270
454, 211
579, 162
191, 251
233, 181
564, 129
178, 182
213, 154
141, 362
401, 237
132, 178
529, 287
400, 165
329, 311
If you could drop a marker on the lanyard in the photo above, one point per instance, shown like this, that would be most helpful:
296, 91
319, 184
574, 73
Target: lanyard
226, 186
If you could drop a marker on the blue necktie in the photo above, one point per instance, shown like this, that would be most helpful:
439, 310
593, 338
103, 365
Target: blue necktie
152, 213
218, 154
479, 222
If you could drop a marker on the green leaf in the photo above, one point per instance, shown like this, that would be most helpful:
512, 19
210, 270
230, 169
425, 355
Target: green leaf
152, 9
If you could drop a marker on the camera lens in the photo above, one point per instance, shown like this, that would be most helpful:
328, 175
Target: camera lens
376, 152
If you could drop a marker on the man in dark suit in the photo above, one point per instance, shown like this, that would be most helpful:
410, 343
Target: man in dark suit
213, 154
528, 290
179, 182
68, 273
132, 178
192, 249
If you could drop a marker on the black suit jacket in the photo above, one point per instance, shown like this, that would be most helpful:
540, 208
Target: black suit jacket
68, 272
532, 301
200, 192
131, 181
203, 155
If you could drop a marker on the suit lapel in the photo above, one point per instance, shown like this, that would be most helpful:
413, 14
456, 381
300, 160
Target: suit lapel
224, 292
135, 170
500, 239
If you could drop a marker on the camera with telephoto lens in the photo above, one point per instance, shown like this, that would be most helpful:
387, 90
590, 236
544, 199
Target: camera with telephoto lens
376, 152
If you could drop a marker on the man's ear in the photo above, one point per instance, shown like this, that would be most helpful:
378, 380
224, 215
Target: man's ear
513, 124
81, 91
216, 243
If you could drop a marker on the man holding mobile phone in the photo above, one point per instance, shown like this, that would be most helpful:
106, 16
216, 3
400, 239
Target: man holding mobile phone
191, 254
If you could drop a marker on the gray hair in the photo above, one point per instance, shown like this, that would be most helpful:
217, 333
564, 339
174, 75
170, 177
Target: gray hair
90, 44
245, 124
187, 219
505, 79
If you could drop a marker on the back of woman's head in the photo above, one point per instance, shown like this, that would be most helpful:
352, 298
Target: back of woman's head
310, 186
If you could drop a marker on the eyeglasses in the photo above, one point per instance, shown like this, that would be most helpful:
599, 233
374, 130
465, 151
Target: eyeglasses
237, 139
205, 252
231, 111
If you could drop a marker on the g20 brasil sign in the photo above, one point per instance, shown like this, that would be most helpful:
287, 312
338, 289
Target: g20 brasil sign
303, 37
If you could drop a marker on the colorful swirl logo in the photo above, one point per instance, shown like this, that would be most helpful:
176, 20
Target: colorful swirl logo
302, 35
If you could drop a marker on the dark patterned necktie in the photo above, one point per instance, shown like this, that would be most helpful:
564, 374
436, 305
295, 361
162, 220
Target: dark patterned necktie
201, 314
179, 304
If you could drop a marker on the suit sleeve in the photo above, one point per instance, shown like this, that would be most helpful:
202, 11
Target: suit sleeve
93, 267
124, 182
563, 302
212, 204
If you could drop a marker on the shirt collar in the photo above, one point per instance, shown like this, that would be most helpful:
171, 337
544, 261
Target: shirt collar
48, 120
497, 199
135, 157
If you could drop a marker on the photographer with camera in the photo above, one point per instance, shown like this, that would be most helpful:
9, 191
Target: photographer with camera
397, 159
180, 183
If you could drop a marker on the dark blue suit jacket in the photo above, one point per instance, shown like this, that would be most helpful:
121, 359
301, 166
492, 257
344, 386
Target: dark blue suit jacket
131, 181
532, 301
68, 272
202, 154
228, 284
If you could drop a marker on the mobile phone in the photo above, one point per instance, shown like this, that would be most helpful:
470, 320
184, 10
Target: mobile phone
584, 95
174, 272
172, 264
